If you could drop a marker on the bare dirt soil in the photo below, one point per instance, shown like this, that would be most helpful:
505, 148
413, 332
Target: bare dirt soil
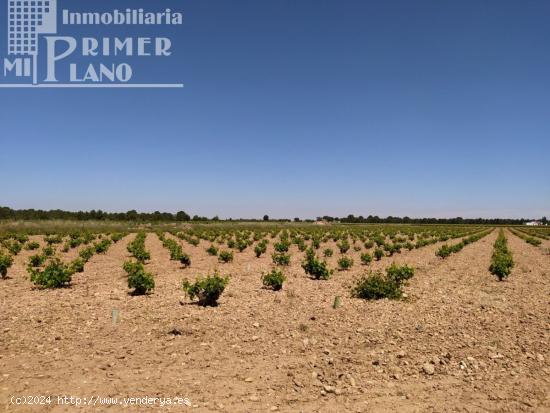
459, 342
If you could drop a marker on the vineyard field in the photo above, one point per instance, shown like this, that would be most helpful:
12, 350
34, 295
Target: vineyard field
269, 320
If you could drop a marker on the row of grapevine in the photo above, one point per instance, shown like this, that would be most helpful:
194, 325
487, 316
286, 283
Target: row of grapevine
176, 251
502, 261
542, 233
10, 246
527, 238
447, 250
77, 238
6, 261
139, 280
15, 243
46, 270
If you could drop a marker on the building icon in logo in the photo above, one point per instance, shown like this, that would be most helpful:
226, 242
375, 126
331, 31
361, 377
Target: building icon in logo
26, 20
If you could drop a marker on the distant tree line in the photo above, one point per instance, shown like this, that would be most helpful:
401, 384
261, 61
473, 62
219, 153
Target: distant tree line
351, 219
7, 213
133, 215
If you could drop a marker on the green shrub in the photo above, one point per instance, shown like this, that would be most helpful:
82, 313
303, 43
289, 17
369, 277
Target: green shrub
343, 246
6, 262
280, 258
48, 251
379, 240
328, 252
194, 241
55, 275
132, 266
260, 249
212, 250
421, 243
274, 280
444, 251
87, 253
207, 290
102, 246
32, 245
316, 243
87, 238
501, 265
366, 258
185, 259
314, 267
369, 244
176, 253
502, 261
13, 247
77, 265
36, 260
345, 263
116, 237
142, 255
139, 280
142, 282
458, 246
74, 242
241, 245
374, 286
53, 239
378, 254
392, 249
281, 246
399, 274
22, 238
225, 256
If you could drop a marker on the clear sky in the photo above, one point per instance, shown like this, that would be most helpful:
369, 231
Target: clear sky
303, 108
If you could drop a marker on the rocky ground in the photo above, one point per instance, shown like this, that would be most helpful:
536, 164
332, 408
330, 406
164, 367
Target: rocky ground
460, 341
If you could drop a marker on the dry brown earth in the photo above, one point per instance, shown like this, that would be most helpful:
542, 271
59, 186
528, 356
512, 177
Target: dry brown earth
460, 342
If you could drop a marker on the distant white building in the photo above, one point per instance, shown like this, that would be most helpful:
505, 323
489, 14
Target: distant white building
533, 223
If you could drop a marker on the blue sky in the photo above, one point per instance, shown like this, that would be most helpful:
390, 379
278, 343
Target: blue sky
302, 108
